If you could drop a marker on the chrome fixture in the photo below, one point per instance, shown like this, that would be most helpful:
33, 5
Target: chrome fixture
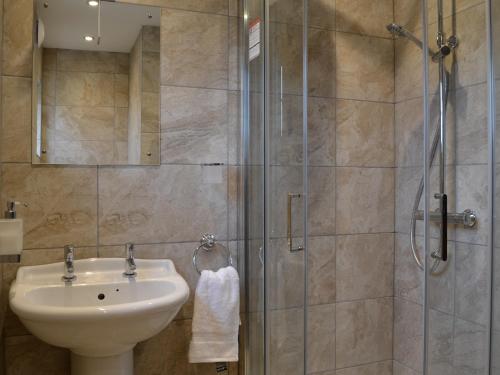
130, 266
69, 270
289, 231
208, 243
11, 212
444, 48
442, 216
467, 218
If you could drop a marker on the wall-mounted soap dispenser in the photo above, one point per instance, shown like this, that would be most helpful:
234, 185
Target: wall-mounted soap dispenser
11, 234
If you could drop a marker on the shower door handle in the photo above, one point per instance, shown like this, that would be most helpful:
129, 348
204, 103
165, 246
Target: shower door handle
291, 196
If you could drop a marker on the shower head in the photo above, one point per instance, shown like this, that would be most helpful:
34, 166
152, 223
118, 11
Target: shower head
396, 29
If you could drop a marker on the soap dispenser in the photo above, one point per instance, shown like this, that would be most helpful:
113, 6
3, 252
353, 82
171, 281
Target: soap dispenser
11, 234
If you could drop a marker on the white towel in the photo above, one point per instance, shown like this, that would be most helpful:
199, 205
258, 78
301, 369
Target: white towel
216, 317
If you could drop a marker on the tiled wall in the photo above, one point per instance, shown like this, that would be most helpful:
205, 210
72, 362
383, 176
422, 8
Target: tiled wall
163, 209
459, 294
80, 127
364, 212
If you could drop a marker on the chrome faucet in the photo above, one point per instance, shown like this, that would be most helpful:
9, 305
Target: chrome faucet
130, 266
69, 270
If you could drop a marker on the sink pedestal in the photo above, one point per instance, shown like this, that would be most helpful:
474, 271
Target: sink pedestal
122, 364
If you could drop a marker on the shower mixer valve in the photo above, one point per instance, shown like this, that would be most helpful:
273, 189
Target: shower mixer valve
445, 47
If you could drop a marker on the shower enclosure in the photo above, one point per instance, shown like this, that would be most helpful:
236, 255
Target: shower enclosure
370, 186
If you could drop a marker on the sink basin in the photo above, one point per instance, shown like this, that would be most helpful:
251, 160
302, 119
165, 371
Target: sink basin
101, 315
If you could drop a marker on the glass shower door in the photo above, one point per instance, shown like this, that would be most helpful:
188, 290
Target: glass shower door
286, 194
276, 184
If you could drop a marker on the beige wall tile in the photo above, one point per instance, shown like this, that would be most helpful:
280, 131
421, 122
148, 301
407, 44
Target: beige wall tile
151, 72
151, 39
28, 355
86, 61
17, 37
173, 359
286, 284
321, 270
290, 12
408, 278
207, 6
198, 56
121, 90
122, 63
121, 124
77, 88
380, 368
399, 369
322, 14
364, 332
62, 203
49, 59
408, 334
194, 125
81, 152
364, 16
471, 63
321, 214
471, 125
150, 148
369, 191
473, 274
234, 53
470, 348
178, 203
286, 129
409, 133
470, 193
321, 69
16, 119
234, 128
150, 115
286, 44
84, 123
408, 69
362, 78
321, 131
365, 264
49, 87
321, 338
365, 134
287, 342
234, 8
407, 181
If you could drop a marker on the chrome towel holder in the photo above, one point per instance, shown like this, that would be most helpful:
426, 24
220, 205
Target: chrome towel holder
207, 243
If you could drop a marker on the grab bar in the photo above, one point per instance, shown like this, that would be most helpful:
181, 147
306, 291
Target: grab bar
289, 226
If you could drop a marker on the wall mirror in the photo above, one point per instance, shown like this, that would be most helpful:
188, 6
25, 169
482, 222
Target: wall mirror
96, 83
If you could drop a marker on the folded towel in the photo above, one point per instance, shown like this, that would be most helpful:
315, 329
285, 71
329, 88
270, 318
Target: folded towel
216, 317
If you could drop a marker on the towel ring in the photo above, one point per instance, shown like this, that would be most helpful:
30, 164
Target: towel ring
207, 243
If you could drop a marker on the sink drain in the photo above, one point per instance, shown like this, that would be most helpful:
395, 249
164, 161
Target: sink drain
101, 296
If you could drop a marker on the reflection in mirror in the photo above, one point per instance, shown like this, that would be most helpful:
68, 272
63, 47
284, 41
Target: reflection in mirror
96, 83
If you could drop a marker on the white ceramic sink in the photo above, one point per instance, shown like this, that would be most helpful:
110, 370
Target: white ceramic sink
101, 315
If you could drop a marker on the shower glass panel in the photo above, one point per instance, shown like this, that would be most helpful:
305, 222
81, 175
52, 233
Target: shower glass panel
456, 195
276, 170
494, 24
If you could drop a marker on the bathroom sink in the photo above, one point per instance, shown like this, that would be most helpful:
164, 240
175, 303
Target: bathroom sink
101, 315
